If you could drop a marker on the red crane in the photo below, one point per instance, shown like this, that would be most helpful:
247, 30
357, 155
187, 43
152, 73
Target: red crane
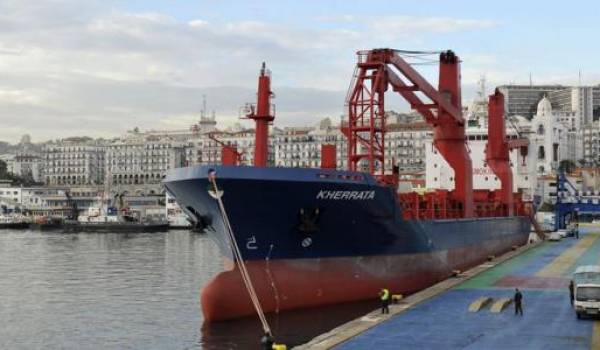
263, 114
379, 68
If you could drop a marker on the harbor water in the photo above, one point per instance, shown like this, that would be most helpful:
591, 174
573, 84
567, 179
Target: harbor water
128, 291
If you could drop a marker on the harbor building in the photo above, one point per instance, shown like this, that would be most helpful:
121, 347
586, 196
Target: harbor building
73, 161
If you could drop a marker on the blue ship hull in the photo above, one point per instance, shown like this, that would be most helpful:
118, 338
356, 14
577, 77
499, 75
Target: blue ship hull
303, 232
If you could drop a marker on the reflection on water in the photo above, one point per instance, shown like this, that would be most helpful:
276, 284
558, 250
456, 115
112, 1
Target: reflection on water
115, 291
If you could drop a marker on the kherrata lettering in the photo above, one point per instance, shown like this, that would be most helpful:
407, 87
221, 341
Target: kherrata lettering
346, 195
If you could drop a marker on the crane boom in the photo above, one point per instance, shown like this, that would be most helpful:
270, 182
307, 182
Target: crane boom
376, 69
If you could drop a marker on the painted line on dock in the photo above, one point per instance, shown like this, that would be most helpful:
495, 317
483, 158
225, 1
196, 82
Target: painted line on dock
564, 261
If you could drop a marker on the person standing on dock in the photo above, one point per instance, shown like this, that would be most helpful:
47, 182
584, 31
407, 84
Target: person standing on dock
518, 302
385, 301
571, 291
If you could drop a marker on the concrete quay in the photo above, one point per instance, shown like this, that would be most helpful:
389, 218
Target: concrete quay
439, 317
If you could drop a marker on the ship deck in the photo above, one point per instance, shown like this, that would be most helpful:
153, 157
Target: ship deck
438, 317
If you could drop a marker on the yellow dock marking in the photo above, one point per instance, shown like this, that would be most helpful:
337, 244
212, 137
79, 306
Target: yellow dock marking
562, 263
596, 336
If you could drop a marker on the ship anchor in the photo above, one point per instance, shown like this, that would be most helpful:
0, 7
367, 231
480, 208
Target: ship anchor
308, 221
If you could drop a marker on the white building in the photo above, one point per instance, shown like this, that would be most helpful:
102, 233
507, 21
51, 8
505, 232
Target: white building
140, 159
301, 146
9, 160
405, 146
549, 139
28, 165
73, 161
205, 148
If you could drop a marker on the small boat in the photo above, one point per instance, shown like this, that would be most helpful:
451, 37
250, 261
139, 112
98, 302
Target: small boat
13, 222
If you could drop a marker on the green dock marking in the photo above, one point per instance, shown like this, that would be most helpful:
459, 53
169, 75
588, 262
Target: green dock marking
488, 278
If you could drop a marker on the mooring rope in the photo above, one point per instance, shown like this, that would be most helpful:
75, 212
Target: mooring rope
238, 256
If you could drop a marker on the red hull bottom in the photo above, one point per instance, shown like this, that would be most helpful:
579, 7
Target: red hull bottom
299, 283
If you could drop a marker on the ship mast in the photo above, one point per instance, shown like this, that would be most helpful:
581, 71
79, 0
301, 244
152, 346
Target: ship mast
263, 113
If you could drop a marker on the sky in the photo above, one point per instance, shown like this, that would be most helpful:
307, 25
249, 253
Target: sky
101, 67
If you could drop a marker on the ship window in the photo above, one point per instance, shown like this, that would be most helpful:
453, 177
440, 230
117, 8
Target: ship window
486, 178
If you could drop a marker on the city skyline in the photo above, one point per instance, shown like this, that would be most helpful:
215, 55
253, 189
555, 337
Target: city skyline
101, 68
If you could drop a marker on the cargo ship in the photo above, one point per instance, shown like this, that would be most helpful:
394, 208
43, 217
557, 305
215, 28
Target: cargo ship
317, 236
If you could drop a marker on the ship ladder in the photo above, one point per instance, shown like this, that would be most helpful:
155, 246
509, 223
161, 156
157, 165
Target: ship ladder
238, 256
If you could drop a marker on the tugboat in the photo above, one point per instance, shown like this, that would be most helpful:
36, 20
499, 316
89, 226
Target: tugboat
112, 222
109, 219
318, 236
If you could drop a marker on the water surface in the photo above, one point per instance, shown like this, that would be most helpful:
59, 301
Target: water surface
127, 291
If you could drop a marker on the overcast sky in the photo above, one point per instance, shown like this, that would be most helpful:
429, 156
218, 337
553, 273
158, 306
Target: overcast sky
99, 68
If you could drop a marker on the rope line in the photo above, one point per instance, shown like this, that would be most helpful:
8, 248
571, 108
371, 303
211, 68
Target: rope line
238, 257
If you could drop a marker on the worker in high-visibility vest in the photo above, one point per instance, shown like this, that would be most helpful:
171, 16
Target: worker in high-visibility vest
384, 295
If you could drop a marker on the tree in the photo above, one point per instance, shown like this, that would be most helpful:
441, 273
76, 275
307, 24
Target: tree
567, 166
15, 179
3, 169
582, 162
546, 206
